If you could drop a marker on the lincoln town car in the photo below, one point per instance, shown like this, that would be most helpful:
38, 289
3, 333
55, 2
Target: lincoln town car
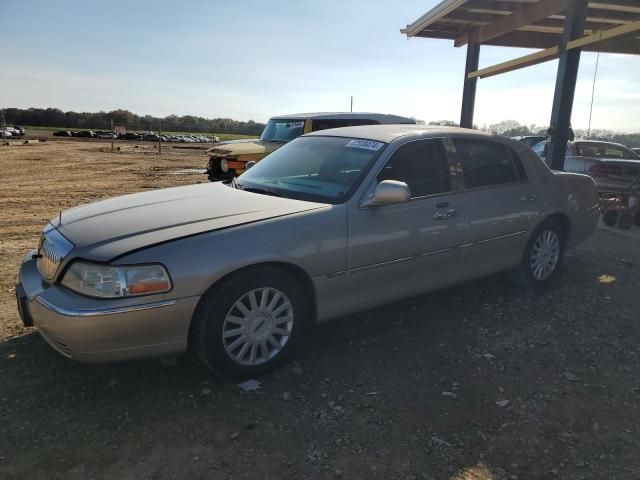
334, 222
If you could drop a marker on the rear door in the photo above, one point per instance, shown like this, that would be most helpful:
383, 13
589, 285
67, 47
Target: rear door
504, 200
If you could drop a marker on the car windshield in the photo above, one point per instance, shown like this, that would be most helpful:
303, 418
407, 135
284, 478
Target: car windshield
282, 130
320, 169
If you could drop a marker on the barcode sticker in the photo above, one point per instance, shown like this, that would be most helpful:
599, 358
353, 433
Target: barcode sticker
365, 145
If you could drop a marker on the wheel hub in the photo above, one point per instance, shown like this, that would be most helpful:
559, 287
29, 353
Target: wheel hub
260, 327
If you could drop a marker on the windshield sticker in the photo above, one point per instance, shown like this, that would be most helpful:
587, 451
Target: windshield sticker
365, 145
295, 125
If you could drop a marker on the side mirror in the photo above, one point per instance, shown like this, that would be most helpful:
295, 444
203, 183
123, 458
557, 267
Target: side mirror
389, 192
250, 164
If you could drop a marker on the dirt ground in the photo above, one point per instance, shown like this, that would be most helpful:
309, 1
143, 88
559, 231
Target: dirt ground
478, 382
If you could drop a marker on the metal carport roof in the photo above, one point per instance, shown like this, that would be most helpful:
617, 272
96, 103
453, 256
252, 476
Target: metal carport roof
560, 29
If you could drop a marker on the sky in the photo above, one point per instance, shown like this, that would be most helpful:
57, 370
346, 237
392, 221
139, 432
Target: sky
252, 59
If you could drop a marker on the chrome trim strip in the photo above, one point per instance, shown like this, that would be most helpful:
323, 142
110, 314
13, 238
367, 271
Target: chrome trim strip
336, 274
509, 235
382, 264
69, 312
434, 252
52, 250
400, 260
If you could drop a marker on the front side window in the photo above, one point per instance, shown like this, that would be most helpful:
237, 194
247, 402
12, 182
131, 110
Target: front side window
485, 163
282, 130
322, 169
422, 165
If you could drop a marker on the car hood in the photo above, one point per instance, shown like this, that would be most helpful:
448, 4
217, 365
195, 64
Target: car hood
110, 228
243, 147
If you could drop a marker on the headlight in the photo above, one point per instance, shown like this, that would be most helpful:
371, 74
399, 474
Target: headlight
224, 165
112, 282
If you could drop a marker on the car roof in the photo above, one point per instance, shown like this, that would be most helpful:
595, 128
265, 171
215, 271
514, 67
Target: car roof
389, 133
380, 117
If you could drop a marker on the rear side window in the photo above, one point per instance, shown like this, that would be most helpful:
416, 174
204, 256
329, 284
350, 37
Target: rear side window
485, 163
423, 165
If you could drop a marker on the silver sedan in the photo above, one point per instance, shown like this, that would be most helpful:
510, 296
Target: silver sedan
334, 222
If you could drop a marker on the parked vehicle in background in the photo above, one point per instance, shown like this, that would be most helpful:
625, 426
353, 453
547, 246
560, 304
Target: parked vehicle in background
613, 166
6, 134
84, 134
334, 222
636, 151
12, 131
132, 136
531, 140
109, 135
228, 159
19, 131
62, 133
150, 137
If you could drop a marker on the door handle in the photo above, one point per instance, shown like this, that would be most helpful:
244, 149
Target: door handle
528, 198
445, 214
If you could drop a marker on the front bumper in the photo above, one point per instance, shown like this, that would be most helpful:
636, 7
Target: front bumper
102, 330
235, 167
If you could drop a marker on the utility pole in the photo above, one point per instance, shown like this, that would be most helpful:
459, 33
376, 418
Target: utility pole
111, 134
159, 140
351, 103
4, 132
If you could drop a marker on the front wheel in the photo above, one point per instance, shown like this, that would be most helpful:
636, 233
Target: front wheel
215, 172
542, 257
249, 325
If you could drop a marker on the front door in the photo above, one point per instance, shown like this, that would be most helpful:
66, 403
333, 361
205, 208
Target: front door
400, 250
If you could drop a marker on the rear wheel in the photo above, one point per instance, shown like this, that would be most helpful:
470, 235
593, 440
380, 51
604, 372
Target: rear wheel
542, 257
249, 325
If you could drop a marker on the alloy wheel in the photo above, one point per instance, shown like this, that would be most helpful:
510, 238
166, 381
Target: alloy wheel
545, 255
257, 326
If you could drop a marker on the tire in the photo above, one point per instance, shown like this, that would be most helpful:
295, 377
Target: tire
218, 314
625, 222
216, 174
548, 243
610, 218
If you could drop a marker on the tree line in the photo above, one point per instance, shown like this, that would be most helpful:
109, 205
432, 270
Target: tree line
511, 128
56, 118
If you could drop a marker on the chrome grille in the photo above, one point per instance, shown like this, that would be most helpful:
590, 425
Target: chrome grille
53, 249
